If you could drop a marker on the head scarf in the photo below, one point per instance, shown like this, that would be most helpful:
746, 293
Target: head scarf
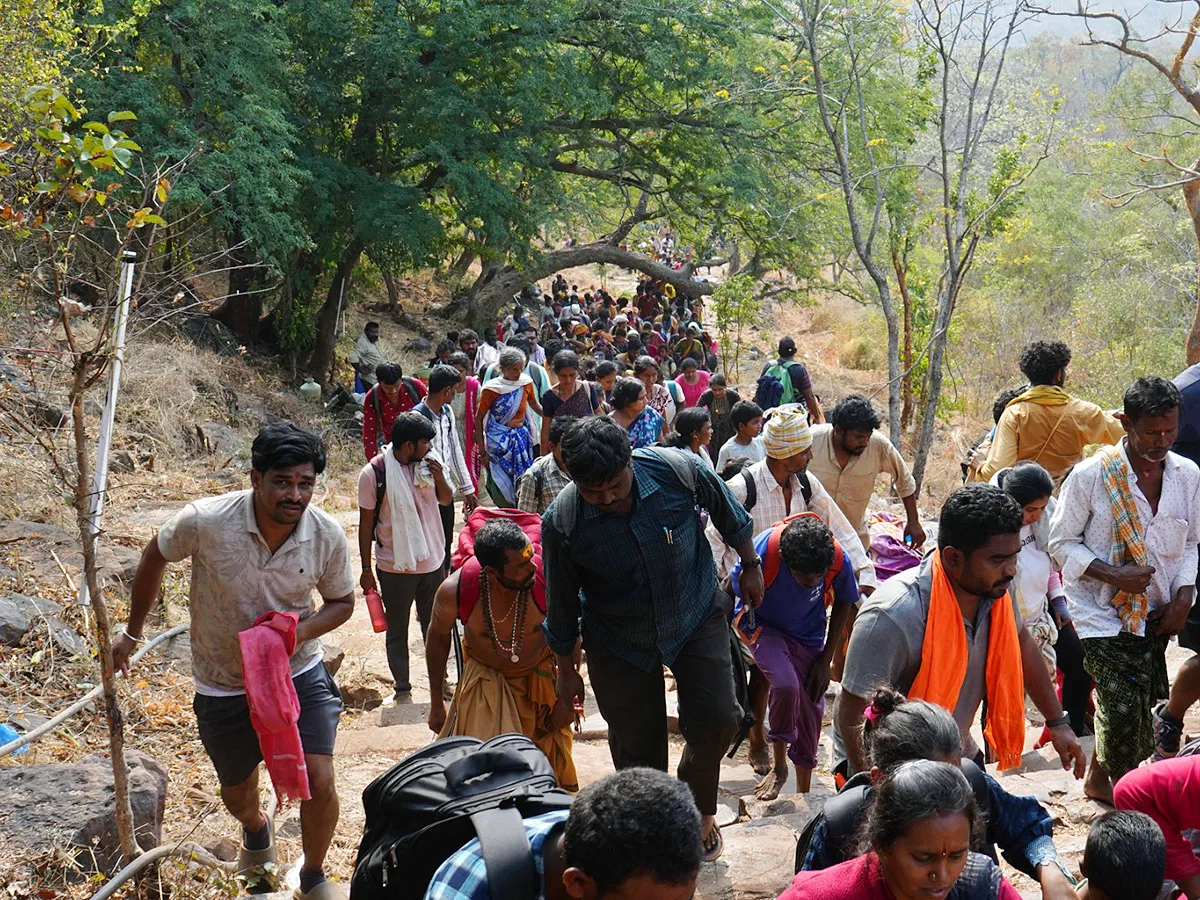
786, 432
580, 329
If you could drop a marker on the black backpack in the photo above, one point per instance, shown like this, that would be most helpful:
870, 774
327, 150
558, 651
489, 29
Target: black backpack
429, 805
844, 812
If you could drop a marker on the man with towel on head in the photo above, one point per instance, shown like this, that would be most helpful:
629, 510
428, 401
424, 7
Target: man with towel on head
771, 490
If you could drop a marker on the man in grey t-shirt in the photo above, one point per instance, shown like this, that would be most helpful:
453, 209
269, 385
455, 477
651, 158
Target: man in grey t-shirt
255, 552
978, 540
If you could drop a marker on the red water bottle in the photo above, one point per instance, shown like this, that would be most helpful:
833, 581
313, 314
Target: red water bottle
375, 608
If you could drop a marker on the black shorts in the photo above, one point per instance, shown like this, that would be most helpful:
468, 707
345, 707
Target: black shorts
230, 738
1189, 638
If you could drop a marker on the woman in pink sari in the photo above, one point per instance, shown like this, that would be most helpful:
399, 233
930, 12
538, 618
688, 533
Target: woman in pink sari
465, 405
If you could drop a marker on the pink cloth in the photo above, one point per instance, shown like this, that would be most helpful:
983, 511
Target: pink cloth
1169, 793
692, 392
274, 708
470, 450
861, 879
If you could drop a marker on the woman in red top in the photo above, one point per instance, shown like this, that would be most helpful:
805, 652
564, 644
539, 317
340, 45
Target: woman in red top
919, 831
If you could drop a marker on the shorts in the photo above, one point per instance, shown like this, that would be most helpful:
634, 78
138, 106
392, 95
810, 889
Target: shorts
232, 743
1189, 638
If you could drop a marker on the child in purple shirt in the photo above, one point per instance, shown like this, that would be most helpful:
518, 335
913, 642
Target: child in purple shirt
788, 639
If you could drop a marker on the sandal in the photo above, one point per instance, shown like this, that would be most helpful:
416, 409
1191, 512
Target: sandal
1168, 733
713, 844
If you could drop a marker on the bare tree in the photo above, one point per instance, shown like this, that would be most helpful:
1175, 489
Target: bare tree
1172, 175
853, 34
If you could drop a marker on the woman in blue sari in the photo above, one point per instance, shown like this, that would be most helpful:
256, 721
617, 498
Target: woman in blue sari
501, 428
631, 413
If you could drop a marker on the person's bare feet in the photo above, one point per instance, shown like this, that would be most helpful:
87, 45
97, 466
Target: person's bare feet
760, 759
710, 838
771, 784
1098, 786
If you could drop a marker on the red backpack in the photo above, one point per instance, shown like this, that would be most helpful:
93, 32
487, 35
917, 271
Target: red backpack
470, 571
773, 561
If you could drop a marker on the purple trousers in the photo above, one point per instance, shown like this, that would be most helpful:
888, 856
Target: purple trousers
792, 718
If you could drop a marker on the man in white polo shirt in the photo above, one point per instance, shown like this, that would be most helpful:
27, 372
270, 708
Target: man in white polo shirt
253, 552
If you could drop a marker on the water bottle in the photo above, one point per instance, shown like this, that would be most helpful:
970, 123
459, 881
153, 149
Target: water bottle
375, 608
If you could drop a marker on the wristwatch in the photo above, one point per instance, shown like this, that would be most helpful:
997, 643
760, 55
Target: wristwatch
753, 563
1064, 719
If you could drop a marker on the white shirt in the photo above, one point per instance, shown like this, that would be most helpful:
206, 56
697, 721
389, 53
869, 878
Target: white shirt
487, 355
731, 450
1082, 531
769, 508
449, 450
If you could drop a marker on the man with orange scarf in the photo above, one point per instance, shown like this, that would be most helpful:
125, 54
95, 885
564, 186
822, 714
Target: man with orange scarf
948, 632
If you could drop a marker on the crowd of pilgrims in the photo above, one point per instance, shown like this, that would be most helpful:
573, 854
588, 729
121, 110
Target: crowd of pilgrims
1060, 574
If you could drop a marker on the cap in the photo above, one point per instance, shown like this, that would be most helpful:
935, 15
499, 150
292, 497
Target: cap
787, 347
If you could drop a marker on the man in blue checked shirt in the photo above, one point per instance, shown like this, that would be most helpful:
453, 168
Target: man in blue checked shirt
624, 552
632, 836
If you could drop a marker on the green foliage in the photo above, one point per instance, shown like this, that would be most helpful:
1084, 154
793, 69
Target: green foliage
736, 307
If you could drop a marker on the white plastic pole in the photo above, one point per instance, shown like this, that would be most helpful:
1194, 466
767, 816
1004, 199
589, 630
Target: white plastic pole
100, 476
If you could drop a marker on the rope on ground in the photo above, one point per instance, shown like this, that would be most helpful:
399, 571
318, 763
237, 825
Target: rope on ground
32, 735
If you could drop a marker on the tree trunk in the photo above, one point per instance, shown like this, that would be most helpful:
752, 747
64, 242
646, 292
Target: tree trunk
393, 296
933, 391
122, 809
1191, 193
320, 362
243, 305
459, 267
906, 357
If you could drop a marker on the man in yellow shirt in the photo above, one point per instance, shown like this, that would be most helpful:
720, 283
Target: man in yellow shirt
849, 454
1045, 424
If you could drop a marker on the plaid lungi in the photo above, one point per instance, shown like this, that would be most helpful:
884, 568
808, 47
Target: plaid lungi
1131, 676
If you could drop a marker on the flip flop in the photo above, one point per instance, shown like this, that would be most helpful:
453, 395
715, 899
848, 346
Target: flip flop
714, 844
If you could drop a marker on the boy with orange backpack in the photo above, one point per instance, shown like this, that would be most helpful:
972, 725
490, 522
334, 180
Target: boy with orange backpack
805, 572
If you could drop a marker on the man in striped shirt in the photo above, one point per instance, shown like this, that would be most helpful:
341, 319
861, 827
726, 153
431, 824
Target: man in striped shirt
443, 384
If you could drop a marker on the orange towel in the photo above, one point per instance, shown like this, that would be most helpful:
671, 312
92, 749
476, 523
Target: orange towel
944, 666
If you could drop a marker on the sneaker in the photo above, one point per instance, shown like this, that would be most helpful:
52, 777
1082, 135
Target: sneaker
1168, 732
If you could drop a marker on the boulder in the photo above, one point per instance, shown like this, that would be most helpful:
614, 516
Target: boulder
36, 540
208, 333
18, 614
70, 806
757, 864
122, 461
45, 413
418, 345
14, 624
179, 651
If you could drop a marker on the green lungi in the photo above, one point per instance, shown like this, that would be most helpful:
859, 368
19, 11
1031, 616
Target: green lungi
1131, 676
